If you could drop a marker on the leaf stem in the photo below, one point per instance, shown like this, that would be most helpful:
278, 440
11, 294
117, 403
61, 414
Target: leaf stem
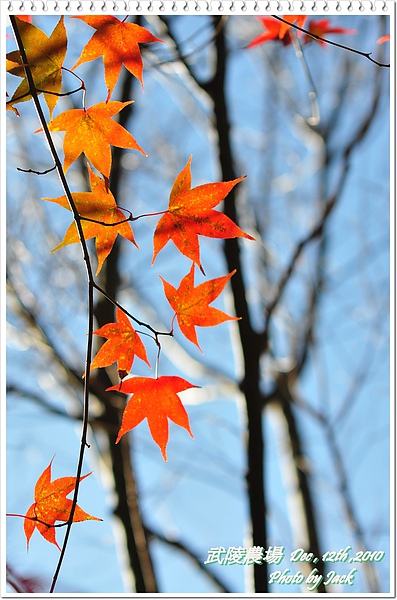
75, 75
156, 368
140, 323
161, 212
37, 520
40, 91
130, 218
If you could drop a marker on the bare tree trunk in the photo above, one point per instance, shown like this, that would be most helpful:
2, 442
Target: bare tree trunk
250, 340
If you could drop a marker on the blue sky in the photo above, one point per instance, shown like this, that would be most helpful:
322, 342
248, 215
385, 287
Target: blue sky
199, 496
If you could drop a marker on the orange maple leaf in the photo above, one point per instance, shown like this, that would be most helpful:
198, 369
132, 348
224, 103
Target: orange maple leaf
190, 214
99, 205
156, 400
191, 304
92, 131
122, 345
45, 58
12, 64
296, 19
50, 505
118, 43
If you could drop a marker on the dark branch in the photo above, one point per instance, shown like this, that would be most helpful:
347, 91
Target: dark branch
317, 37
90, 278
37, 172
183, 547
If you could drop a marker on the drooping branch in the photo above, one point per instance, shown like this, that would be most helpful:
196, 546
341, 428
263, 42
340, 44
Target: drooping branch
90, 291
182, 56
185, 549
321, 39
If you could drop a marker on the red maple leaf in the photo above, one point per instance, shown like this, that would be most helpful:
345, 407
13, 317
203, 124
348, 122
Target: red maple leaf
323, 28
277, 30
157, 401
190, 214
291, 19
117, 42
383, 39
99, 205
122, 345
191, 304
50, 505
26, 18
92, 131
272, 30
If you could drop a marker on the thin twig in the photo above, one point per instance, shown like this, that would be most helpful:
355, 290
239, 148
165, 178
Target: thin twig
130, 218
329, 206
183, 547
37, 520
184, 58
315, 118
352, 515
140, 323
40, 91
321, 39
126, 220
37, 172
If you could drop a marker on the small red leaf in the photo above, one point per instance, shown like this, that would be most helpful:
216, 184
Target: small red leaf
191, 304
323, 28
122, 345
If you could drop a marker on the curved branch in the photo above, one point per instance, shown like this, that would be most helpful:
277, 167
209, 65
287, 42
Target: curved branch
320, 39
90, 278
183, 547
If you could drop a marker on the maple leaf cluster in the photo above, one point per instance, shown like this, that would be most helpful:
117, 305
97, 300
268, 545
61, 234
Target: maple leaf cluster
91, 130
190, 213
280, 30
